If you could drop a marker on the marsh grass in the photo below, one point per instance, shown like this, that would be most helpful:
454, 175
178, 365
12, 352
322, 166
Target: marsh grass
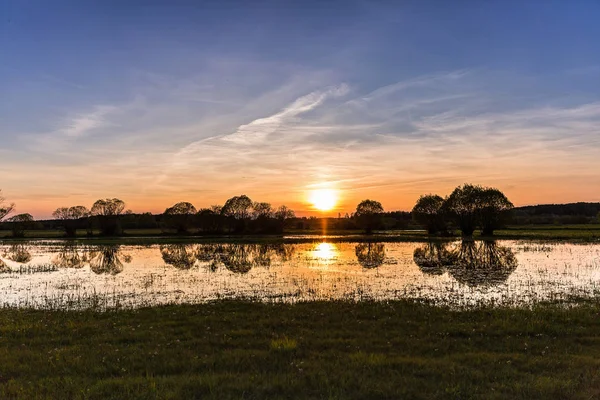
334, 350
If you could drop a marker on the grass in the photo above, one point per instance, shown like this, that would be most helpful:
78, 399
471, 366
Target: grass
332, 350
583, 232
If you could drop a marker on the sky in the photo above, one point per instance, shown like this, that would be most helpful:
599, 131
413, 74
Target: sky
156, 102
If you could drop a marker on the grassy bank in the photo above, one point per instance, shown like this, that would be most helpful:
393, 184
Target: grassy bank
578, 233
312, 350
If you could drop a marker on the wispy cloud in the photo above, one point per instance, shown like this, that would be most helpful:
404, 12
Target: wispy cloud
393, 143
83, 124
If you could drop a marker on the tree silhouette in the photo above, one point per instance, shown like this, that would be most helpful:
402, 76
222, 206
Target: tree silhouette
463, 206
239, 208
5, 209
494, 209
368, 215
19, 223
106, 260
180, 217
370, 255
282, 214
210, 220
473, 205
181, 256
429, 212
107, 211
70, 218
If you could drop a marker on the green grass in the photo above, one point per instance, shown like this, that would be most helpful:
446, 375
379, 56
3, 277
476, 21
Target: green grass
332, 350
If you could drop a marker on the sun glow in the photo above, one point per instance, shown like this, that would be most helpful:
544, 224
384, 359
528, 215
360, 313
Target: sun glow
323, 199
325, 251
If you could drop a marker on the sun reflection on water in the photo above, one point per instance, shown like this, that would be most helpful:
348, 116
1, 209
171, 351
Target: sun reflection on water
325, 251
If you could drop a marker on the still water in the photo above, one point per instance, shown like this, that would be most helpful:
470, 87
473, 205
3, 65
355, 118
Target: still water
62, 274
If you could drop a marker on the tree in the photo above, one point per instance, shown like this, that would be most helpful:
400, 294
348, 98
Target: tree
261, 210
282, 214
107, 211
19, 223
70, 217
368, 215
429, 212
5, 209
210, 220
473, 205
180, 216
240, 209
463, 205
494, 210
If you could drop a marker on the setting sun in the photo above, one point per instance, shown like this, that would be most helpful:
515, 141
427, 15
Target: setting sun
323, 199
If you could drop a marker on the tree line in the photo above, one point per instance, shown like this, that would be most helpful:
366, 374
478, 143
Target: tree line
468, 208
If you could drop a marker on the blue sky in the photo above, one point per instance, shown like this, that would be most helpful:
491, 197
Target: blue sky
156, 102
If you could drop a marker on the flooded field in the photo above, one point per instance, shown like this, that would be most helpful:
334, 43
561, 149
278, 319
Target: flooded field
67, 275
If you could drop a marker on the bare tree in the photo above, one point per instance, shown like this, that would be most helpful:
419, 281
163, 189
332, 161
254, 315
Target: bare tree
282, 214
5, 209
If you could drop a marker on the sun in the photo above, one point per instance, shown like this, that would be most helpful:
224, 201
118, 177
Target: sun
323, 199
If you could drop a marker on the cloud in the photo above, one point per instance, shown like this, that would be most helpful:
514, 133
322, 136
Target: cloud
261, 128
392, 143
83, 124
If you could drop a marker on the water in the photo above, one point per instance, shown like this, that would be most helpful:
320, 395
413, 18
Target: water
61, 274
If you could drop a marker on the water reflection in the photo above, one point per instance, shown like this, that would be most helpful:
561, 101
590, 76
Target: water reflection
199, 272
325, 251
482, 263
18, 253
370, 255
471, 263
181, 256
241, 258
432, 258
107, 260
69, 256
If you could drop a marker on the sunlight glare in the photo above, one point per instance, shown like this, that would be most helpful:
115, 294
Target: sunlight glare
325, 251
323, 199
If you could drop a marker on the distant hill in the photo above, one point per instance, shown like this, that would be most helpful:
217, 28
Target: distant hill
572, 213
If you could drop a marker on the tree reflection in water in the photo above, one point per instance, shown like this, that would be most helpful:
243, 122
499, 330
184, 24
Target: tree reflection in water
482, 263
370, 255
107, 260
432, 258
70, 257
18, 253
241, 258
181, 256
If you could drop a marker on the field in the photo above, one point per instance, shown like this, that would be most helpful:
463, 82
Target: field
333, 350
584, 232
